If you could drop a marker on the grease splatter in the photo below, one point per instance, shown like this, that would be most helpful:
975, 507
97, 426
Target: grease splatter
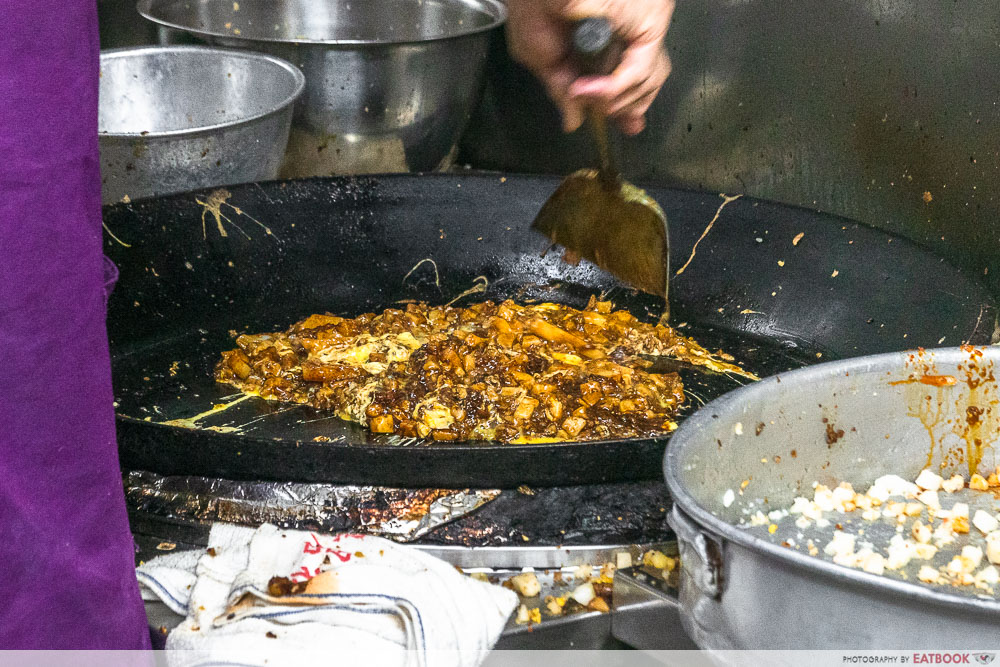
213, 205
694, 249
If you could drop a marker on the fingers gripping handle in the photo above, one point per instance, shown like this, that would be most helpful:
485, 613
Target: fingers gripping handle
596, 47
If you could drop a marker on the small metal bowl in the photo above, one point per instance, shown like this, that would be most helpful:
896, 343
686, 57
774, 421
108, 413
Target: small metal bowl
179, 118
390, 84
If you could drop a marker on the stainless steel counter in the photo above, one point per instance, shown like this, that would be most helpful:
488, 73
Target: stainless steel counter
639, 618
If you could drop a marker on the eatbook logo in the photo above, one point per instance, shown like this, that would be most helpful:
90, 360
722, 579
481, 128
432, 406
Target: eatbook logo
983, 658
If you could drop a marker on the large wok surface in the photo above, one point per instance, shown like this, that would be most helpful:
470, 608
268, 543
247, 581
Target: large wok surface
201, 265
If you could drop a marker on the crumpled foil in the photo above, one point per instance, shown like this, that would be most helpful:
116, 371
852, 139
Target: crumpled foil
398, 514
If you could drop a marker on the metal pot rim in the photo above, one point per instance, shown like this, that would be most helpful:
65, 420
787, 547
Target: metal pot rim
299, 78
497, 8
729, 532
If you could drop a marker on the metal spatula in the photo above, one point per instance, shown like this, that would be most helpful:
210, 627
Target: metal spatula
595, 213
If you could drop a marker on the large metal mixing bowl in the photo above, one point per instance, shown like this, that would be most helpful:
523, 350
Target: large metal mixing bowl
757, 448
390, 84
183, 117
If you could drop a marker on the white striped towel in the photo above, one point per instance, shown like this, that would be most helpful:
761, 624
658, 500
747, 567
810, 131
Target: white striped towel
359, 600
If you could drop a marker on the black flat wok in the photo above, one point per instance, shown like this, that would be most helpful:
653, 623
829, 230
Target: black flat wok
775, 285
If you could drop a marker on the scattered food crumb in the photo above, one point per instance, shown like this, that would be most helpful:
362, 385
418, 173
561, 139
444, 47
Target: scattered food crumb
923, 527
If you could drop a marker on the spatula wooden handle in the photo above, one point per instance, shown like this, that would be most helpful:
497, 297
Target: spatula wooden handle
598, 51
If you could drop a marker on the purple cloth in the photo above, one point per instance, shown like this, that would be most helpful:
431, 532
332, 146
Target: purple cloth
66, 554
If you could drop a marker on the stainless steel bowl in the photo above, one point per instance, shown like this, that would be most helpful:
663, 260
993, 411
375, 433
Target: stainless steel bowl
390, 84
183, 117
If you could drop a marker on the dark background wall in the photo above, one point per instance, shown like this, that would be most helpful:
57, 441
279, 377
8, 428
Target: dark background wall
857, 107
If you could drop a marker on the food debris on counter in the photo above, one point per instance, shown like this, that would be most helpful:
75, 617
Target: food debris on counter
526, 584
549, 594
657, 560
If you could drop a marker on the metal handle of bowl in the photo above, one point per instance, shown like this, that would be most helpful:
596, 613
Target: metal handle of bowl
646, 612
700, 554
643, 606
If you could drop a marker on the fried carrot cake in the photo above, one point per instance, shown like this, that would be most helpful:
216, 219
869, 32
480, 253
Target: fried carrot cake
507, 372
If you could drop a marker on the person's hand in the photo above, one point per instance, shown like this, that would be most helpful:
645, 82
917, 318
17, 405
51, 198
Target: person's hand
538, 37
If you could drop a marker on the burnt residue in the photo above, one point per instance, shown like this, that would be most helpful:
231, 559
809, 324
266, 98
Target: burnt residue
570, 515
598, 514
982, 416
283, 586
973, 415
833, 434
